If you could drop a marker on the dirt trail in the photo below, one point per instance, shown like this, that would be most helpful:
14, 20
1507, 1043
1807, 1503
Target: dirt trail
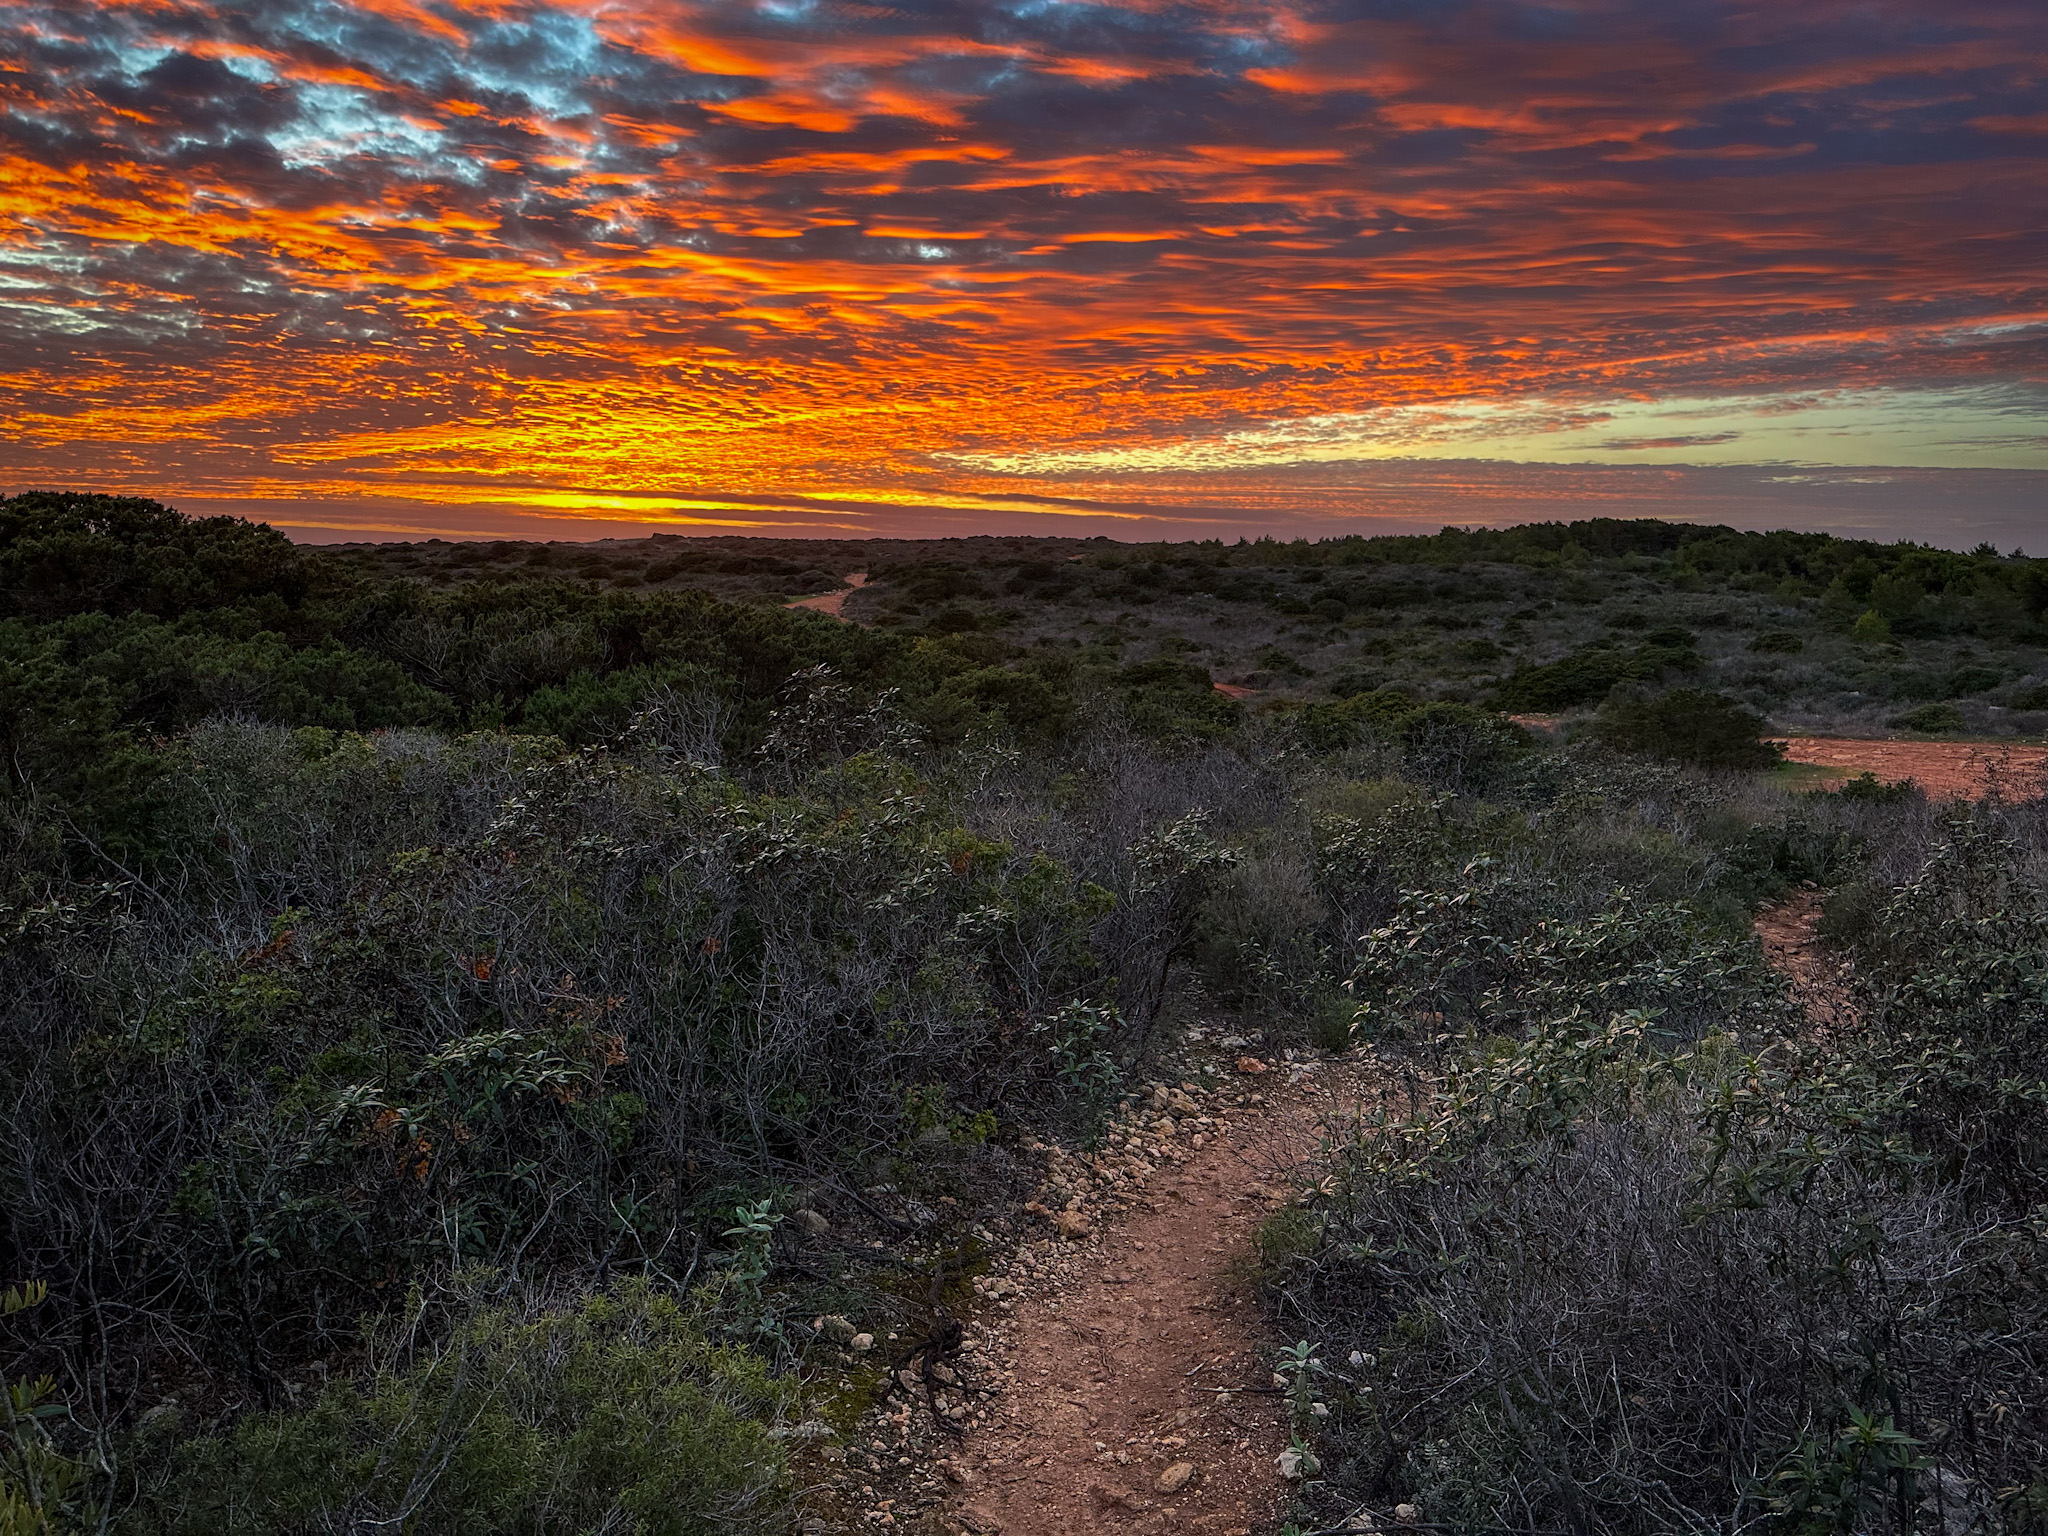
1789, 932
1139, 1399
1944, 769
831, 602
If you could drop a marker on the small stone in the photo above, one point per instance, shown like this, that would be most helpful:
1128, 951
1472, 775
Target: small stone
813, 1223
836, 1328
1072, 1224
1251, 1065
1407, 1514
861, 1343
1176, 1477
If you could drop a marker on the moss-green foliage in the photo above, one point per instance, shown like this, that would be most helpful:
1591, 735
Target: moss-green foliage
617, 1415
1686, 725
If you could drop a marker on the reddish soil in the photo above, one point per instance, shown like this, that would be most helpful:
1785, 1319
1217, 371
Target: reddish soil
1820, 981
1946, 770
831, 602
1236, 690
1148, 1354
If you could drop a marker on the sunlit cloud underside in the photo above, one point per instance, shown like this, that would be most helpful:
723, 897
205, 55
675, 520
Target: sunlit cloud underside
414, 265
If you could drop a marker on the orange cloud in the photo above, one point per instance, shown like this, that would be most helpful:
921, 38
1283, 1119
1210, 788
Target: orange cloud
587, 250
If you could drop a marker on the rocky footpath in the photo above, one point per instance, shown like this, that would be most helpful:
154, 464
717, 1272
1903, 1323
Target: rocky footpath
1110, 1376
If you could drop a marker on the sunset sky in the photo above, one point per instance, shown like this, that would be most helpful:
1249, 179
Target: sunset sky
400, 267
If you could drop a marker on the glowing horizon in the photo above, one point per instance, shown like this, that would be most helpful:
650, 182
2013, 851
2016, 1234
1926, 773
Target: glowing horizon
489, 265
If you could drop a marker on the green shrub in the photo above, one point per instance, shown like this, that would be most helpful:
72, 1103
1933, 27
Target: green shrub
1968, 680
1849, 914
1777, 642
1869, 788
1928, 719
1580, 678
617, 1416
1591, 673
1687, 725
64, 553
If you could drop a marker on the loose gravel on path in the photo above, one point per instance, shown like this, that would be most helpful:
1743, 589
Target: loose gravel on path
1138, 1396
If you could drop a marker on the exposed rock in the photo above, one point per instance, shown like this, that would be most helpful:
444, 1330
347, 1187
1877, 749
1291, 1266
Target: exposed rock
1176, 1477
862, 1343
813, 1223
836, 1328
1407, 1514
1298, 1464
1071, 1224
1250, 1065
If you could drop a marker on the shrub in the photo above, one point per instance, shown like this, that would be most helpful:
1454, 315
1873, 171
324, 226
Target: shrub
1928, 719
1578, 1281
1869, 788
1778, 642
1968, 680
1579, 678
618, 1415
1687, 725
64, 553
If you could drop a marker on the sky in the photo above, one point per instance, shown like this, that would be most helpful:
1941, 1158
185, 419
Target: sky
400, 268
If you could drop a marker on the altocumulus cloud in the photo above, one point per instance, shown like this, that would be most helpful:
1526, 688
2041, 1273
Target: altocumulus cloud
792, 264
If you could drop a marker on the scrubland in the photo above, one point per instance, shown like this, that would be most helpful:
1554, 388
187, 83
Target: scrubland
466, 1015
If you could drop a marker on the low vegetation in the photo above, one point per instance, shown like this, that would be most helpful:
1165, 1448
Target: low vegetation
458, 1036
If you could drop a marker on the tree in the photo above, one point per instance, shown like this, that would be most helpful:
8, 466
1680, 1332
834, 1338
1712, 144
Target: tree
1686, 725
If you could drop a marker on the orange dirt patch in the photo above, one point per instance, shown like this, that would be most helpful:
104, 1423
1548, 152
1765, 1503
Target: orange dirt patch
1945, 770
1820, 981
1149, 1356
830, 603
1235, 690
